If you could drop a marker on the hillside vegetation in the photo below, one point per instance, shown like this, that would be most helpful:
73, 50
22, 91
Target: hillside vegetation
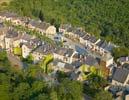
108, 19
4, 4
1, 1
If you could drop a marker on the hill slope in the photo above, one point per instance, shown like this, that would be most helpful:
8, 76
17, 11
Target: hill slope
104, 18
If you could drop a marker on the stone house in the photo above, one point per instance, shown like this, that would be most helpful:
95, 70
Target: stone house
26, 50
64, 27
123, 60
58, 65
42, 27
40, 52
3, 31
106, 60
64, 54
30, 46
9, 38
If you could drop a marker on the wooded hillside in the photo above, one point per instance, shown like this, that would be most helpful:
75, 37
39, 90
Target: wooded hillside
108, 19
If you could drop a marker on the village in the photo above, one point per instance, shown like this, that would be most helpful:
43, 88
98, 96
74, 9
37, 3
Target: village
71, 49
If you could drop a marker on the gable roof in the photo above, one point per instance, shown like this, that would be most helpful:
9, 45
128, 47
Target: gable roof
120, 75
26, 37
92, 39
91, 61
44, 49
104, 44
28, 45
11, 34
9, 14
123, 59
1, 25
64, 52
110, 46
2, 29
39, 24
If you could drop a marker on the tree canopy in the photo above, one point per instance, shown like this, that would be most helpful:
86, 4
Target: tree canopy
107, 19
29, 84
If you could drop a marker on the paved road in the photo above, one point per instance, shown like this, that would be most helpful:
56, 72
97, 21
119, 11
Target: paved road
15, 61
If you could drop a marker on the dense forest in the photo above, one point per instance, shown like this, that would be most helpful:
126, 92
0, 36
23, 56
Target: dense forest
107, 19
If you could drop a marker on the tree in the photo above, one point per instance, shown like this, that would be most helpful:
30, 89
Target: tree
109, 23
67, 90
93, 70
53, 95
45, 62
84, 68
3, 56
41, 16
17, 51
29, 59
119, 52
103, 95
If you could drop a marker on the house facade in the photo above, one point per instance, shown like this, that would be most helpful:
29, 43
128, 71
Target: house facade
3, 31
42, 51
26, 50
51, 30
64, 54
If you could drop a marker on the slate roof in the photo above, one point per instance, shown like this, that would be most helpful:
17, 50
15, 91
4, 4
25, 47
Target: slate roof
86, 37
69, 52
11, 34
64, 52
100, 43
126, 66
1, 25
120, 75
78, 31
91, 61
92, 39
76, 64
82, 34
61, 64
26, 37
70, 29
104, 44
81, 50
109, 47
60, 51
33, 43
38, 24
69, 66
2, 28
36, 41
44, 49
9, 14
43, 25
123, 59
29, 45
